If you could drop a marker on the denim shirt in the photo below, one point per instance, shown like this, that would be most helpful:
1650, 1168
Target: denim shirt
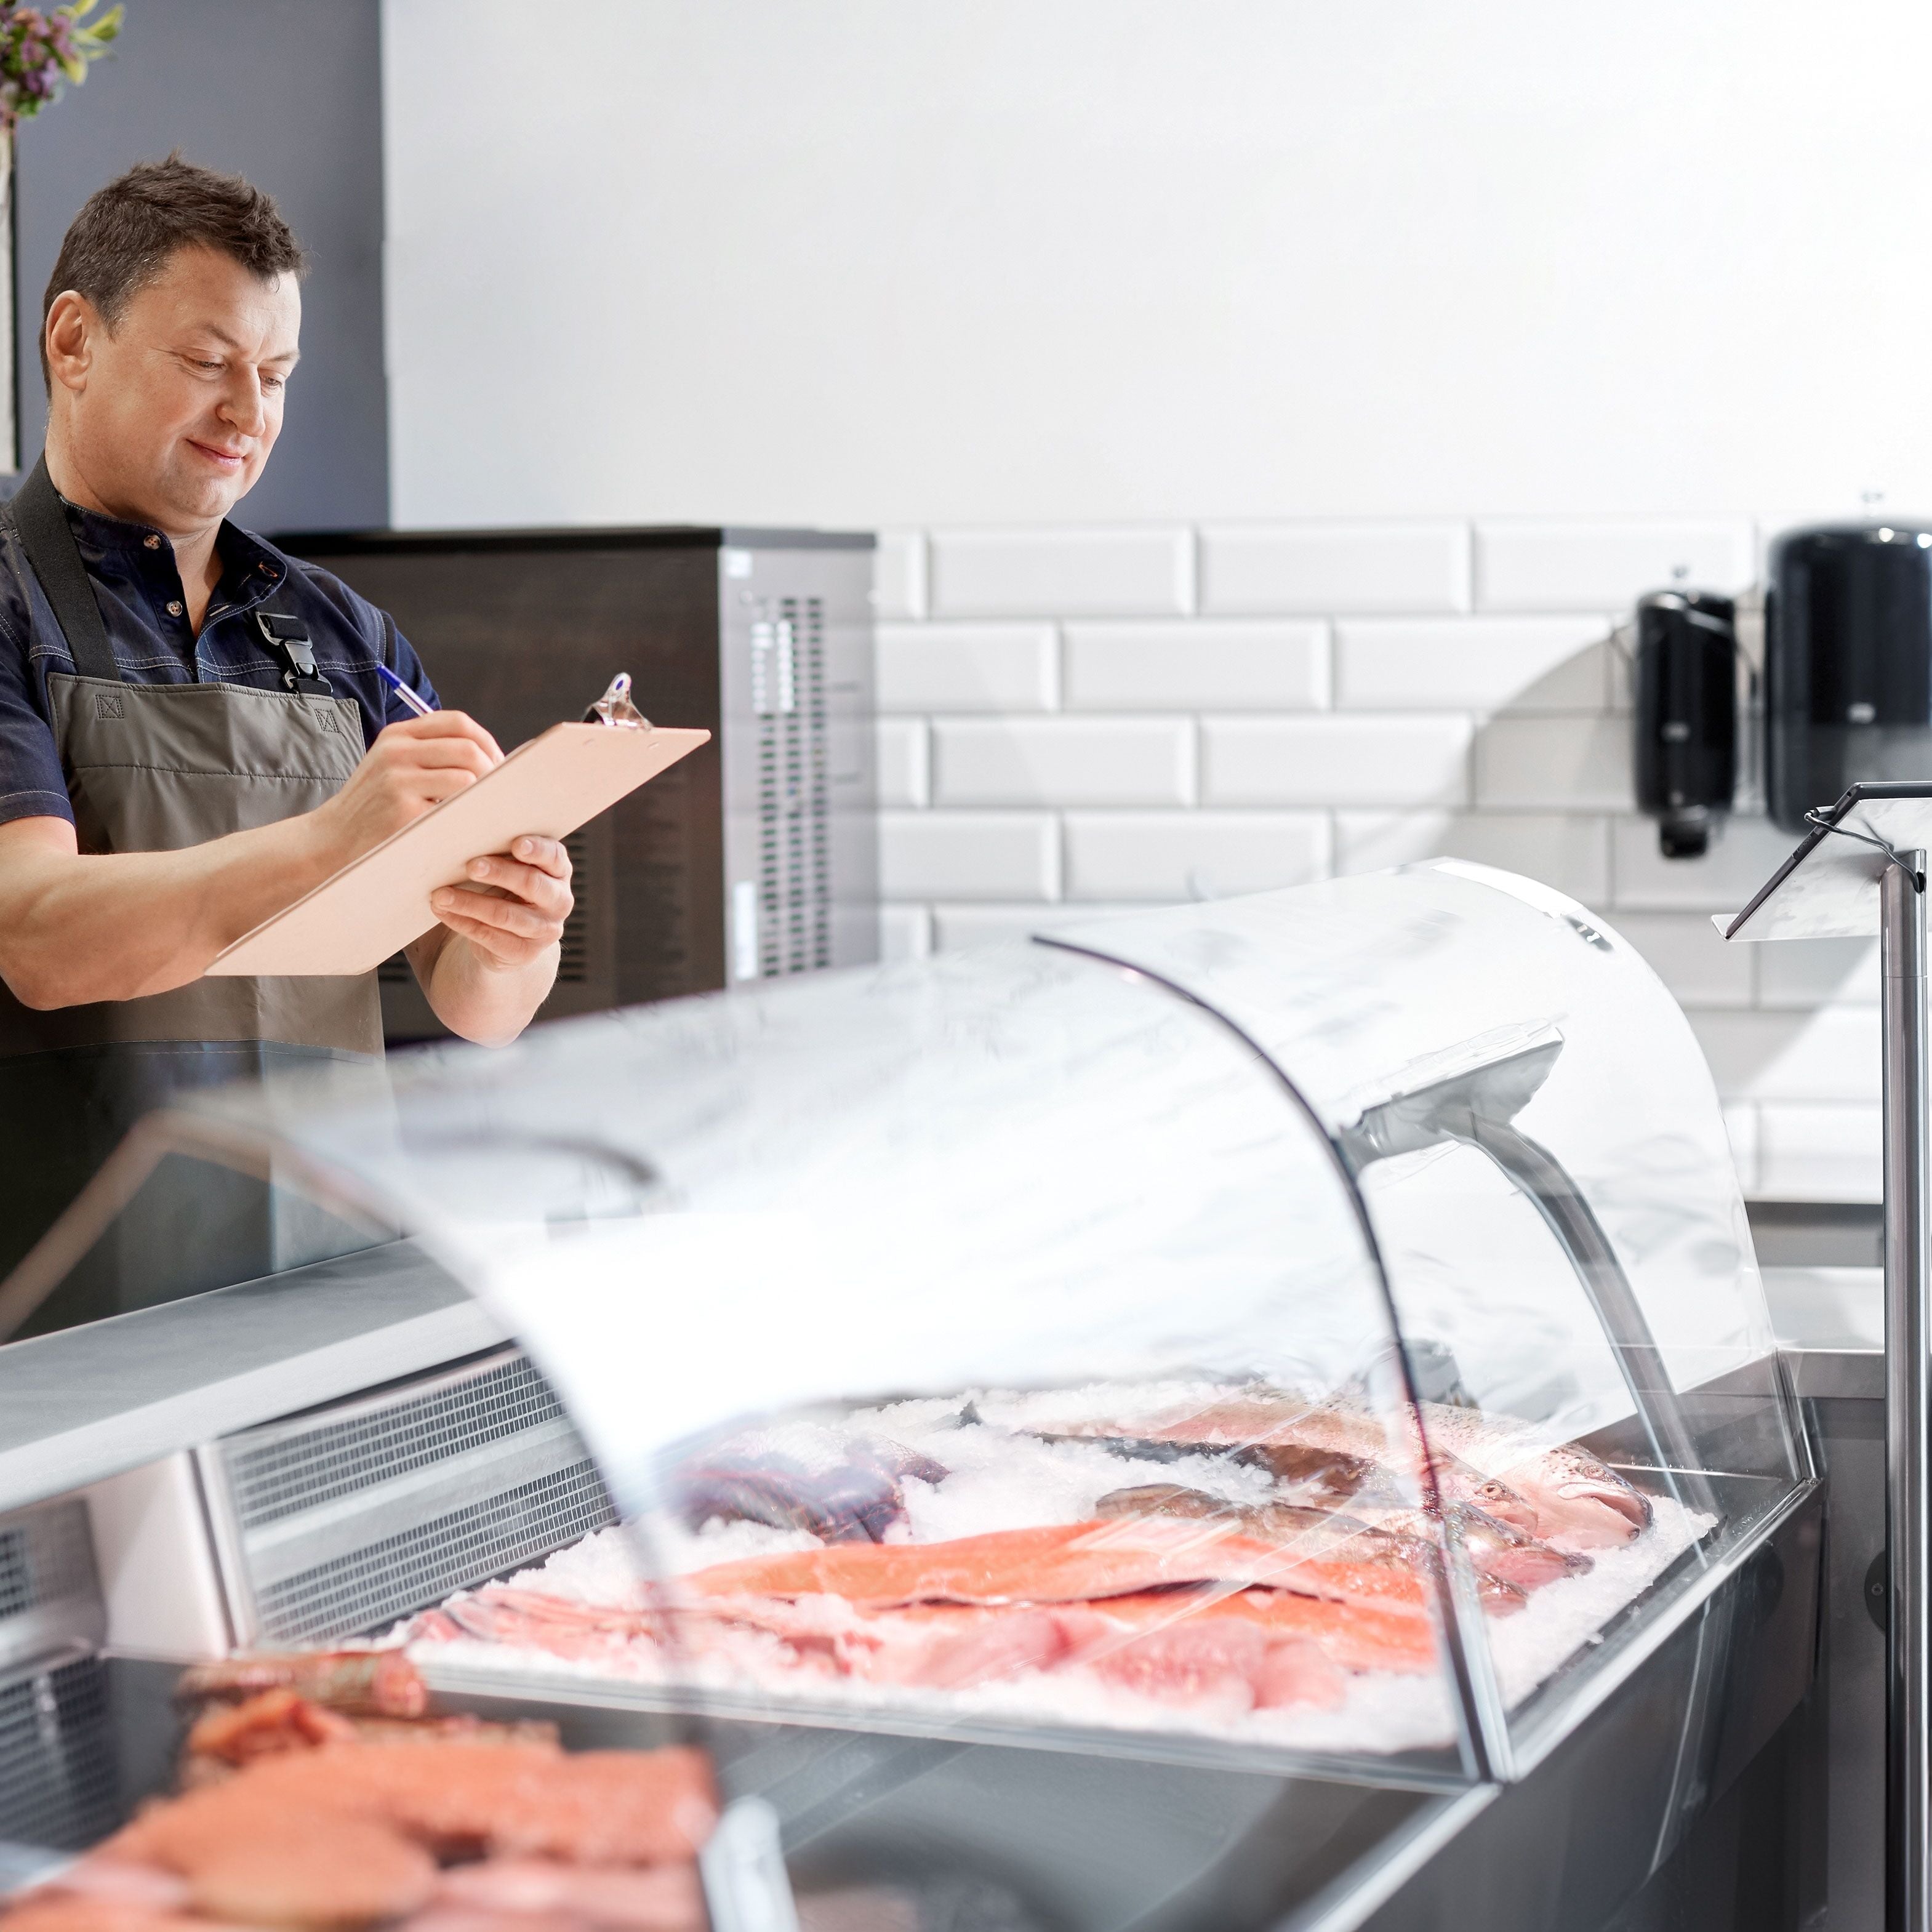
135, 583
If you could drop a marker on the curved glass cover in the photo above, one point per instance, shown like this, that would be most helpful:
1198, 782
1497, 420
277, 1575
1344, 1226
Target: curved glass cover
1317, 1332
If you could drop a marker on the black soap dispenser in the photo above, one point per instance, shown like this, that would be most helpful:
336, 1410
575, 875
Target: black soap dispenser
1847, 662
1686, 667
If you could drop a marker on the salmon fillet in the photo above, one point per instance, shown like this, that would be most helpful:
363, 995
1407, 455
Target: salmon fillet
1060, 1563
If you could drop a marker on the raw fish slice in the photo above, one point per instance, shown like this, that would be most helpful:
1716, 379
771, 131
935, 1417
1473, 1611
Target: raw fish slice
359, 1683
1355, 1636
596, 1808
661, 1898
48, 1909
1058, 1563
1224, 1662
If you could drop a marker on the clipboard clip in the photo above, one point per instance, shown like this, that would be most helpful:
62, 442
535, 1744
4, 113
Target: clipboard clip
615, 707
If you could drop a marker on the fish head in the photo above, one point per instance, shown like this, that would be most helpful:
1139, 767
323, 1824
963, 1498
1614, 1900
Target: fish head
1582, 1503
1459, 1483
1500, 1549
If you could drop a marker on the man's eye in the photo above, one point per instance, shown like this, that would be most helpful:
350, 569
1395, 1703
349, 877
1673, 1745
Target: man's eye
273, 381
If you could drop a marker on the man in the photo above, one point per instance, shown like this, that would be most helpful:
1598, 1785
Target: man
194, 730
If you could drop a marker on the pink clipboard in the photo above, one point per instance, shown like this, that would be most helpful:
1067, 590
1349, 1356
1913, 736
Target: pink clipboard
376, 905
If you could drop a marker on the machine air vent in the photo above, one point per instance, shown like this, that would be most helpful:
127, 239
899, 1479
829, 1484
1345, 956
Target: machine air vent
49, 1591
59, 1786
794, 822
275, 1471
573, 968
340, 1520
383, 1579
44, 1556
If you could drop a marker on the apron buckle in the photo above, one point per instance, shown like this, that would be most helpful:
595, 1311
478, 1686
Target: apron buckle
287, 640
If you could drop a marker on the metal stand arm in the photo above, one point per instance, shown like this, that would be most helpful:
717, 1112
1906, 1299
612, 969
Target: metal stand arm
1908, 1437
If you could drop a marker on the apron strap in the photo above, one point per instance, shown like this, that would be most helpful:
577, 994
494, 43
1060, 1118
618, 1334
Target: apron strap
41, 520
48, 539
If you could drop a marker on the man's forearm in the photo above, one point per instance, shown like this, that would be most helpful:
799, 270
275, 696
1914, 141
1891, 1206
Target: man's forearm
487, 1003
75, 927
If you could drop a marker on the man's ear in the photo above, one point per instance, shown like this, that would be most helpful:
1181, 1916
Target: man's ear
72, 324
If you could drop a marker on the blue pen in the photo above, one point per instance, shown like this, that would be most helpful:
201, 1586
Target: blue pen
402, 691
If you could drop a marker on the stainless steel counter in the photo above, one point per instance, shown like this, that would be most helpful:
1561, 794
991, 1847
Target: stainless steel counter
89, 1403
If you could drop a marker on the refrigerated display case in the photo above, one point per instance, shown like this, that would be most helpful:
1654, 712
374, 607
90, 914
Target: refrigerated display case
1242, 1415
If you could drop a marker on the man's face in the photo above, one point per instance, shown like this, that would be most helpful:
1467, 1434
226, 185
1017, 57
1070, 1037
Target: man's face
170, 415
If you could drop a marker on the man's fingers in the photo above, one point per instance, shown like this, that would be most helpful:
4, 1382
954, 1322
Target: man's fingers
548, 855
507, 915
545, 890
491, 942
445, 726
437, 754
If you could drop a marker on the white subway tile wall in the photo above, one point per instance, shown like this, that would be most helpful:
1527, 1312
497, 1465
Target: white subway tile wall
1075, 722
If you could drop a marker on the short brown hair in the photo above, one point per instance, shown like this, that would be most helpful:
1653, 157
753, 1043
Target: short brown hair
122, 239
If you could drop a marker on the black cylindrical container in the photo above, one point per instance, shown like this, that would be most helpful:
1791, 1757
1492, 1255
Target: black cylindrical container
1687, 714
1847, 662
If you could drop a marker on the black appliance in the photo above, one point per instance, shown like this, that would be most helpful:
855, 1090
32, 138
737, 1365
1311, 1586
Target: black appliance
756, 855
1847, 663
1687, 714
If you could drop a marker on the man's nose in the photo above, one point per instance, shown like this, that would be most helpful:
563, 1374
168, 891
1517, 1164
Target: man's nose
245, 406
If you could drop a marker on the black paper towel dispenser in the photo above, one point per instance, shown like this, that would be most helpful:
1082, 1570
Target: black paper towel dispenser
1847, 662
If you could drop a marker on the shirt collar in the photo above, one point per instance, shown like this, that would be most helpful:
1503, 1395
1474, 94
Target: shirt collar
249, 569
110, 536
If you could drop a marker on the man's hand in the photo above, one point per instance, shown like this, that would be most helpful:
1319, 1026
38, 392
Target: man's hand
512, 906
410, 767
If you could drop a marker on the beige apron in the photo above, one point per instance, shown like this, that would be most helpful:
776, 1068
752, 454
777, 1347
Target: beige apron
157, 768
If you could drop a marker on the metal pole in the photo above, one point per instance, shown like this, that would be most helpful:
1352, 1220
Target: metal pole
1908, 1431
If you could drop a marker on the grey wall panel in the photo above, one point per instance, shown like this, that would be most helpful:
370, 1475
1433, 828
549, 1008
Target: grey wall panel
288, 92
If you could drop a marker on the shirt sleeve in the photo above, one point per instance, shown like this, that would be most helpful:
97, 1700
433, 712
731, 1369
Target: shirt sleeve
32, 784
402, 659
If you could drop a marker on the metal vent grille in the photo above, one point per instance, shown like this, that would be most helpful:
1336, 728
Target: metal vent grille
45, 1557
574, 967
58, 1783
307, 1465
794, 827
389, 1578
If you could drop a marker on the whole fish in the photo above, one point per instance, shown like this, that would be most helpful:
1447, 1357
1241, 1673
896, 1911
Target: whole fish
847, 1492
1321, 1478
1399, 1539
1580, 1502
1557, 1493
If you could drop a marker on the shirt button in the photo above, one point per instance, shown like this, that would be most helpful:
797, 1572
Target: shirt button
174, 607
150, 543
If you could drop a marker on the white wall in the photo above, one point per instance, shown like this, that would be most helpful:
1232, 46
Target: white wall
862, 261
1271, 408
